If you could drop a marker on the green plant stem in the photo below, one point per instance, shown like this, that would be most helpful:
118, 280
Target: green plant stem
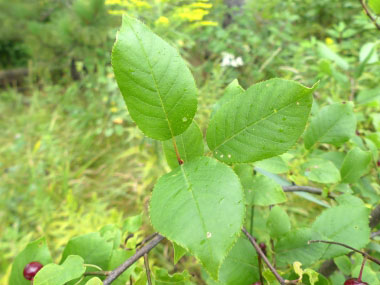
260, 269
377, 261
97, 273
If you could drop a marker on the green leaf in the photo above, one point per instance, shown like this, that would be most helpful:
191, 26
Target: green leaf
368, 96
156, 84
117, 258
132, 224
368, 53
355, 165
369, 275
111, 233
162, 277
334, 124
375, 6
344, 264
325, 52
263, 122
233, 89
92, 247
274, 165
54, 274
200, 206
278, 222
189, 144
346, 223
264, 191
294, 246
240, 265
94, 281
179, 251
34, 251
321, 170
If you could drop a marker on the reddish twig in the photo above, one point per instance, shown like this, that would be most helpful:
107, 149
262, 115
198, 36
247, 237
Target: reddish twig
372, 18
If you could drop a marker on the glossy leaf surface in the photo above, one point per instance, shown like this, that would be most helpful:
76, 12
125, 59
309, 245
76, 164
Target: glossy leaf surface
54, 274
200, 206
263, 122
334, 124
156, 84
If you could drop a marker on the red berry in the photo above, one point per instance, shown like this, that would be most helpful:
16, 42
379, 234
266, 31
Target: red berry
263, 247
31, 270
354, 281
378, 163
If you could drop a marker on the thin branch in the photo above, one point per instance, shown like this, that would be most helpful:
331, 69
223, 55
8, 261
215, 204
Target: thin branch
139, 253
349, 247
372, 18
263, 257
307, 189
147, 269
145, 240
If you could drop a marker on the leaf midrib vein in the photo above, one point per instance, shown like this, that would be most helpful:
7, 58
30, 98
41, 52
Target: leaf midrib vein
154, 78
254, 123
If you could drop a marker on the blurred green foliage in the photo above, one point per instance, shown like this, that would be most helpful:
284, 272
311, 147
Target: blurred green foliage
72, 160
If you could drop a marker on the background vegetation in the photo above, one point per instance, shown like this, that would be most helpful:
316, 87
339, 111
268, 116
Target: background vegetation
72, 161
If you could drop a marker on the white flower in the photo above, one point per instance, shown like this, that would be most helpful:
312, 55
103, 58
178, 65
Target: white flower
231, 60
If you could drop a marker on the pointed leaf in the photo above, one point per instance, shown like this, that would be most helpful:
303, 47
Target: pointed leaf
240, 265
264, 191
92, 247
156, 84
179, 251
233, 89
54, 274
321, 170
263, 122
355, 165
189, 144
34, 251
294, 246
345, 223
334, 124
278, 222
200, 206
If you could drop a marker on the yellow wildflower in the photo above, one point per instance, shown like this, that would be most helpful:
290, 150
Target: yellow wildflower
162, 21
112, 2
116, 12
118, 121
114, 109
329, 41
208, 23
201, 5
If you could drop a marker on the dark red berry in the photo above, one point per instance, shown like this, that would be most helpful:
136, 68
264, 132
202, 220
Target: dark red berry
31, 269
354, 281
263, 247
378, 163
